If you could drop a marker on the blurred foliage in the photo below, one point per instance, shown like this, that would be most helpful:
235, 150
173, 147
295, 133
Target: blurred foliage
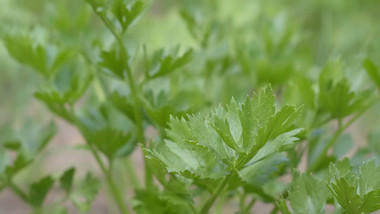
113, 68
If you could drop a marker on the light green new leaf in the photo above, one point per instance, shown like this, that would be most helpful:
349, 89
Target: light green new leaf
255, 114
369, 178
85, 192
308, 195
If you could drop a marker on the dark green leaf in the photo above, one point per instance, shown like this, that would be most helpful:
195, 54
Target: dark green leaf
126, 15
113, 61
39, 190
66, 180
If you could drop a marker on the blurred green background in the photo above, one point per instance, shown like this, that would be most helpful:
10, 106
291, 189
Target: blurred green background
238, 46
269, 40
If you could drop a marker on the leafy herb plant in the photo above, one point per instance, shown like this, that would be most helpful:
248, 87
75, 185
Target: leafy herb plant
231, 118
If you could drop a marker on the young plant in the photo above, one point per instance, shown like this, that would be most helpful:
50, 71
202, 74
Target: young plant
221, 121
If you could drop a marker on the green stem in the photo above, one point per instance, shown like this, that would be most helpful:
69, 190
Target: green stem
132, 175
99, 88
242, 202
335, 137
135, 96
220, 204
250, 205
115, 191
274, 210
17, 190
206, 207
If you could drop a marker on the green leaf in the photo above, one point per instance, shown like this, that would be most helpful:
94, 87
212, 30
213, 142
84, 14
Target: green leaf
335, 95
4, 162
22, 49
308, 194
188, 159
127, 15
346, 196
34, 138
29, 141
357, 194
70, 85
160, 107
68, 89
340, 169
221, 121
123, 104
66, 180
301, 92
343, 145
111, 142
85, 193
338, 100
205, 144
283, 207
98, 5
371, 201
113, 61
369, 178
259, 172
151, 201
372, 71
163, 63
279, 144
39, 190
191, 23
19, 163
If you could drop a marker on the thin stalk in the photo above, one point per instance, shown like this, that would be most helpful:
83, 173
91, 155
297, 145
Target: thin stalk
132, 175
250, 205
99, 88
134, 93
107, 172
115, 191
206, 207
17, 190
274, 210
220, 204
335, 137
242, 202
